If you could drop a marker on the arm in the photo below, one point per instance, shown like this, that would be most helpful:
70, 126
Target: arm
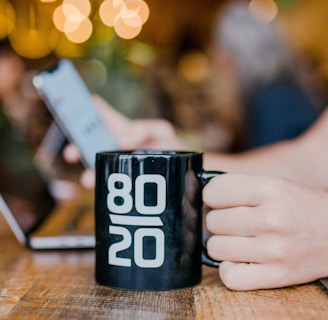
304, 159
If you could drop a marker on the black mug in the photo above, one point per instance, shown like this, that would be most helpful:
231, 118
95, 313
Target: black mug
148, 207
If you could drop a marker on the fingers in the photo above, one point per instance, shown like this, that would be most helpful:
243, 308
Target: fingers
88, 179
238, 221
252, 276
138, 134
152, 134
231, 190
237, 249
71, 153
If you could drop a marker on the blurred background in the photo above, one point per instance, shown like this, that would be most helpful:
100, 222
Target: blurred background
176, 59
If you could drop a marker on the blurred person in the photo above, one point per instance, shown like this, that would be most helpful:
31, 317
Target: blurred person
19, 99
12, 71
275, 104
268, 215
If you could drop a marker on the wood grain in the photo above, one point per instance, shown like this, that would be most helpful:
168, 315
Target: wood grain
61, 285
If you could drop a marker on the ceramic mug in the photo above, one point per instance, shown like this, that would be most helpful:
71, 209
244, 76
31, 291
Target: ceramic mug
148, 207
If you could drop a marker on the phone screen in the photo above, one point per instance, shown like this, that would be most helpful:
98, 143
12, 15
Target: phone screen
69, 100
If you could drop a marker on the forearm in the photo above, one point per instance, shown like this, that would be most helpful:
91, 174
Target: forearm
271, 160
293, 160
303, 160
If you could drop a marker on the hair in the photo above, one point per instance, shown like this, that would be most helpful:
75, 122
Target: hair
255, 47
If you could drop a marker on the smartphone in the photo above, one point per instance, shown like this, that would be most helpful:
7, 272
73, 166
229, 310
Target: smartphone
70, 102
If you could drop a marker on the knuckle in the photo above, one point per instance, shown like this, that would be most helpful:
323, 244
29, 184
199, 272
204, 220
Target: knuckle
278, 251
271, 222
273, 187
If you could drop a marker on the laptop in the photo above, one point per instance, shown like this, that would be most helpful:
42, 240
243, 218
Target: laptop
37, 218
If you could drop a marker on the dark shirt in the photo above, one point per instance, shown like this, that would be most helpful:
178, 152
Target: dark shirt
278, 111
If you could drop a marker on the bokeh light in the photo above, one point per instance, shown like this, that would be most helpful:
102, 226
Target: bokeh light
67, 18
83, 6
126, 30
7, 19
82, 33
108, 10
127, 17
266, 10
194, 66
73, 22
34, 35
72, 18
139, 7
33, 43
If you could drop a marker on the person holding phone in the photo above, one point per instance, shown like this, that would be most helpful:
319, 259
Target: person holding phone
269, 213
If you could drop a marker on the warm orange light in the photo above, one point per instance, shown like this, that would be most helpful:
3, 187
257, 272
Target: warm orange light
83, 6
59, 18
124, 30
67, 18
82, 33
32, 43
72, 19
108, 10
130, 18
73, 22
266, 10
70, 10
194, 66
7, 19
126, 16
140, 7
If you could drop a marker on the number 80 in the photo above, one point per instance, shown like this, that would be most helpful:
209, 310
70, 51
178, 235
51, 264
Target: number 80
125, 193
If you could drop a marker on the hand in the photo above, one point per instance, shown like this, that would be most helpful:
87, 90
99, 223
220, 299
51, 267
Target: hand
268, 232
129, 134
140, 133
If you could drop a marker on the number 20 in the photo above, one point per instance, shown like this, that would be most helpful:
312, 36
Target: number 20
126, 242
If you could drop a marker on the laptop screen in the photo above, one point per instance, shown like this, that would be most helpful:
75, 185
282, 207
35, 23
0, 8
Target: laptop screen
21, 185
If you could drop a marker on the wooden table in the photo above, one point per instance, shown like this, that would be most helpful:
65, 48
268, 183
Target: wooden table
61, 285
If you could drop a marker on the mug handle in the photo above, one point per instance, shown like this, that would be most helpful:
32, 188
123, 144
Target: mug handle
205, 177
